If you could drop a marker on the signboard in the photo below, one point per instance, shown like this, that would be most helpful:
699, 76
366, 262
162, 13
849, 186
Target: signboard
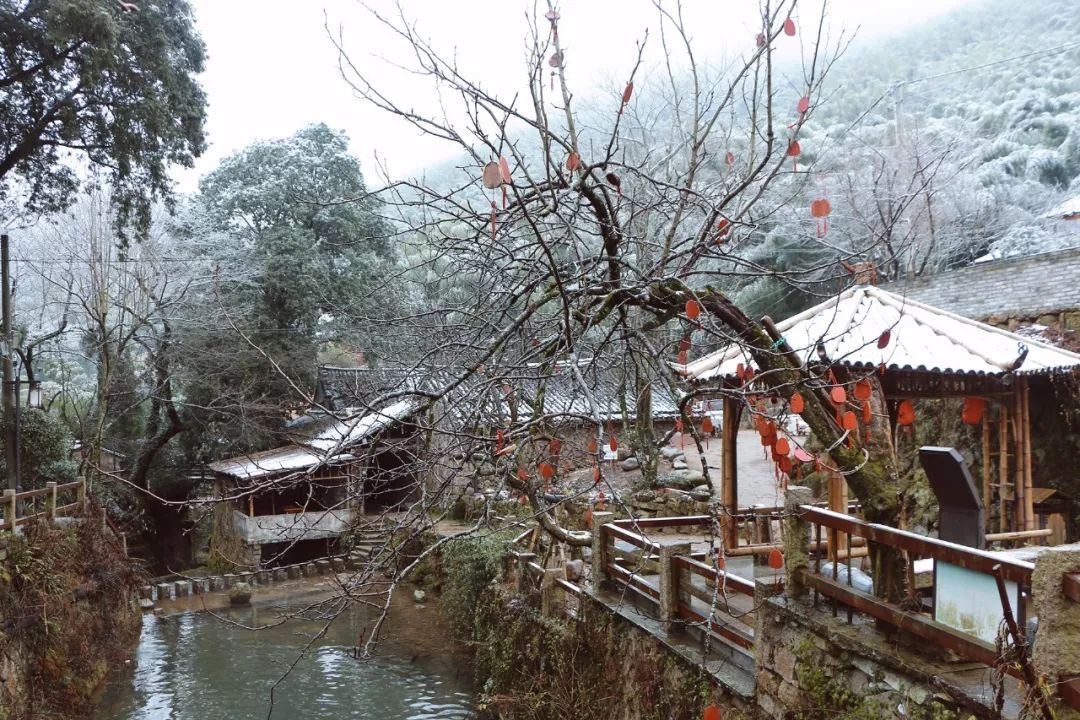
968, 601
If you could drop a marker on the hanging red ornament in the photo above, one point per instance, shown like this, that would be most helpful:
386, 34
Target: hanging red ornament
851, 423
782, 447
722, 229
600, 501
796, 403
706, 425
711, 713
494, 218
867, 412
573, 161
682, 357
627, 93
801, 455
504, 171
555, 446
803, 105
789, 27
546, 471
597, 475
693, 310
883, 341
863, 389
838, 395
905, 413
820, 210
761, 40
729, 159
555, 60
793, 151
591, 446
784, 463
613, 443
492, 177
776, 559
588, 518
973, 410
684, 343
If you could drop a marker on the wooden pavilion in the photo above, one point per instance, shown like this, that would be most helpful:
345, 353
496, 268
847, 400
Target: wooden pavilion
929, 353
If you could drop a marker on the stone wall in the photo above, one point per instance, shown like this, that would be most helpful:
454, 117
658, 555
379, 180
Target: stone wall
1041, 288
810, 664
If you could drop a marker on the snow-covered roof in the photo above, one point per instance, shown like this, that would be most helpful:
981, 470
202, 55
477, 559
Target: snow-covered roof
1068, 210
921, 338
329, 446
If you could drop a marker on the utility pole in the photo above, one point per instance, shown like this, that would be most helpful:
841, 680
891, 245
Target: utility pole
9, 375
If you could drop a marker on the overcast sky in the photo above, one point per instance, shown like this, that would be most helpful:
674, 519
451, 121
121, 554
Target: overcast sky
272, 69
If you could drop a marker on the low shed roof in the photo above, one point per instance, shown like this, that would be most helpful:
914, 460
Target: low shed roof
329, 446
922, 338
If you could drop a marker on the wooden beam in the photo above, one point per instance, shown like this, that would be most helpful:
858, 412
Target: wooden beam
1029, 489
1018, 571
838, 503
729, 474
1019, 483
986, 467
1003, 467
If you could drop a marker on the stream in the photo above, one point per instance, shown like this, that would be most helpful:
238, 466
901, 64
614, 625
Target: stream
193, 666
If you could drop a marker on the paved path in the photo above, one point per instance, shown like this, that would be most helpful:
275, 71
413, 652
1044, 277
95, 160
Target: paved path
757, 481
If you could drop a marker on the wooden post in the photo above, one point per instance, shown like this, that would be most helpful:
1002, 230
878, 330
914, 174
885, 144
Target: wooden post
1019, 483
729, 473
1029, 485
1003, 467
9, 509
599, 549
251, 506
50, 507
80, 492
986, 467
838, 502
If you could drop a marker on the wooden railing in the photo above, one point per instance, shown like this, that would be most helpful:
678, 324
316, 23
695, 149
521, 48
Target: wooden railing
21, 508
990, 567
673, 582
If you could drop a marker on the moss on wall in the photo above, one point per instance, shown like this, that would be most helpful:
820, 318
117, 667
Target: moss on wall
529, 666
67, 614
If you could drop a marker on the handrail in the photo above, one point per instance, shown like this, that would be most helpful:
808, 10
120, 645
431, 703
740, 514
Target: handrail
633, 538
960, 555
12, 502
729, 580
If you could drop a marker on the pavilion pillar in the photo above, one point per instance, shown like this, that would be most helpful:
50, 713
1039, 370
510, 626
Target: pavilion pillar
1019, 482
986, 450
1003, 466
1029, 489
729, 472
838, 502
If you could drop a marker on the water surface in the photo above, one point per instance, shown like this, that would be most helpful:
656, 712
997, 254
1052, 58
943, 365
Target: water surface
194, 666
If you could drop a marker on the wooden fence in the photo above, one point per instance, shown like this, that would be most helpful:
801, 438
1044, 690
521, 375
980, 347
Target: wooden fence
676, 584
21, 508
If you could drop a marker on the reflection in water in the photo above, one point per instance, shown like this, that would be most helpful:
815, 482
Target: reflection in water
193, 666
